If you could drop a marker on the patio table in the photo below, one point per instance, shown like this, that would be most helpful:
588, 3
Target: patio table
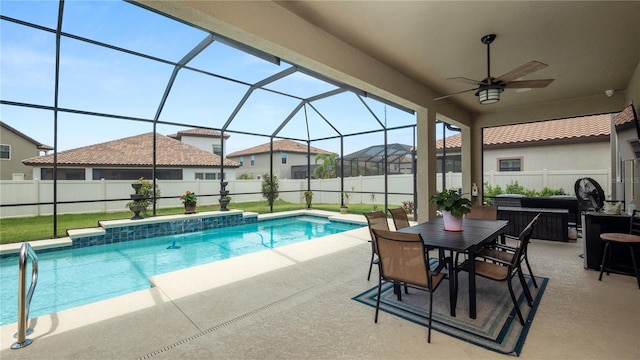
474, 234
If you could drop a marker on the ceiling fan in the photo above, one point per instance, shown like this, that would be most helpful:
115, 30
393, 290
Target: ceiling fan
489, 89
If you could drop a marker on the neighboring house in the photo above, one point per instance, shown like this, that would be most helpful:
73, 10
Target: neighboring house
581, 143
289, 159
207, 140
15, 146
370, 161
131, 158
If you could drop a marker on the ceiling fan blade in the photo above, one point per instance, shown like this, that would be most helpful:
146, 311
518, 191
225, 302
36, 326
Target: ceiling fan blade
529, 84
466, 80
459, 92
521, 71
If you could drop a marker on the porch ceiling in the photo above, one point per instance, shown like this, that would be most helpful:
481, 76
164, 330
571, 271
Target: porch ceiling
590, 46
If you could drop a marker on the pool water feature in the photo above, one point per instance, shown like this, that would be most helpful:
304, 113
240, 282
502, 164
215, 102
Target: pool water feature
73, 277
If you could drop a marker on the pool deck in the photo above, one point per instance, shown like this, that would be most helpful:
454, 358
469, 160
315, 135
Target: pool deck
295, 302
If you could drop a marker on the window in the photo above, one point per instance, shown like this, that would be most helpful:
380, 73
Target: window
284, 158
217, 149
63, 174
452, 163
208, 176
510, 164
135, 174
253, 160
241, 160
5, 152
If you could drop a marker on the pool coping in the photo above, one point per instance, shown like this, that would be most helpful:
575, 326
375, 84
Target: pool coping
189, 281
75, 234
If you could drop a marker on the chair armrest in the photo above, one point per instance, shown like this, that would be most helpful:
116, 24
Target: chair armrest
495, 260
503, 247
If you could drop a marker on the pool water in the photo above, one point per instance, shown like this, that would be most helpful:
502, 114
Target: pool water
70, 278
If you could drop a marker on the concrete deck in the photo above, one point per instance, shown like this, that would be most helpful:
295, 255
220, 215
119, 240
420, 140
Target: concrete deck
295, 303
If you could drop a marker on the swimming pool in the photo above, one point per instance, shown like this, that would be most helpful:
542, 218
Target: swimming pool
74, 277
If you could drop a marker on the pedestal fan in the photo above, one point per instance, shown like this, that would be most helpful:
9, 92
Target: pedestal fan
590, 194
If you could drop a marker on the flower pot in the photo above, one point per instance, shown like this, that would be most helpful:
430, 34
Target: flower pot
136, 209
344, 210
451, 223
190, 208
224, 202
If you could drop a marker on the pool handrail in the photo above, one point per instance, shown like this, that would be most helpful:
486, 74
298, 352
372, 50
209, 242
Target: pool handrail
24, 297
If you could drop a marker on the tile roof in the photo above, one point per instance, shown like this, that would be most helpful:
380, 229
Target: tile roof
39, 146
579, 128
197, 133
279, 145
624, 117
135, 151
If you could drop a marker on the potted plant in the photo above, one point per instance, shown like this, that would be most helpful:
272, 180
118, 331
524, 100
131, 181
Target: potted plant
453, 207
138, 206
190, 200
308, 196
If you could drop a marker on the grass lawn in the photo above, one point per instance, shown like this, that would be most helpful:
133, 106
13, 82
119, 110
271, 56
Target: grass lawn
13, 230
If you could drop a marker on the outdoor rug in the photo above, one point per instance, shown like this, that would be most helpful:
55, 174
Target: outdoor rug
496, 326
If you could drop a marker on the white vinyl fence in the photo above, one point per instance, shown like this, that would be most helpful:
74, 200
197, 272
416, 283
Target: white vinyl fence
113, 195
101, 195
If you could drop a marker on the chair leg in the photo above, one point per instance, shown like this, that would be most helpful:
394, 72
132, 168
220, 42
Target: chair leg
604, 256
430, 315
370, 266
526, 260
525, 288
378, 301
515, 302
635, 266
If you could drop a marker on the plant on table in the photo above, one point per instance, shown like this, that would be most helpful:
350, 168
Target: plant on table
451, 201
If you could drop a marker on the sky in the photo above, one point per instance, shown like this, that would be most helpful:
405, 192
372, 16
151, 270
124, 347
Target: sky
100, 80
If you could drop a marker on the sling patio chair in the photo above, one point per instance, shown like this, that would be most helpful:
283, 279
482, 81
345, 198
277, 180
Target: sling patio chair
400, 218
483, 212
403, 262
500, 270
506, 253
375, 220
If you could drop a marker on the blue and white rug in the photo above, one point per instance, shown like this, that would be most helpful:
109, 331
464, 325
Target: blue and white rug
496, 326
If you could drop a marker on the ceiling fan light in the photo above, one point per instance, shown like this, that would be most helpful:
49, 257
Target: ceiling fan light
489, 96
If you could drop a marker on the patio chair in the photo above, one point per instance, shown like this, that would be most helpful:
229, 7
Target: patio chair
400, 218
506, 253
402, 262
500, 270
377, 220
483, 212
631, 240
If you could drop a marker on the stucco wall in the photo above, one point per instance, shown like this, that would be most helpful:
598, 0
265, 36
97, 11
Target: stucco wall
585, 156
20, 149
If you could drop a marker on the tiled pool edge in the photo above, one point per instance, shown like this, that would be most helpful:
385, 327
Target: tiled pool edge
113, 231
126, 229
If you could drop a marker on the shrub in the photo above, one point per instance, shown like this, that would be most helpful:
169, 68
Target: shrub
270, 191
408, 206
515, 188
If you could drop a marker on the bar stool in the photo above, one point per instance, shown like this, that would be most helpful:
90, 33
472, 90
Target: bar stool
631, 240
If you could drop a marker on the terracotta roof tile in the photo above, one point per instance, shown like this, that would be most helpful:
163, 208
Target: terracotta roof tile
135, 151
279, 145
197, 133
552, 130
623, 117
